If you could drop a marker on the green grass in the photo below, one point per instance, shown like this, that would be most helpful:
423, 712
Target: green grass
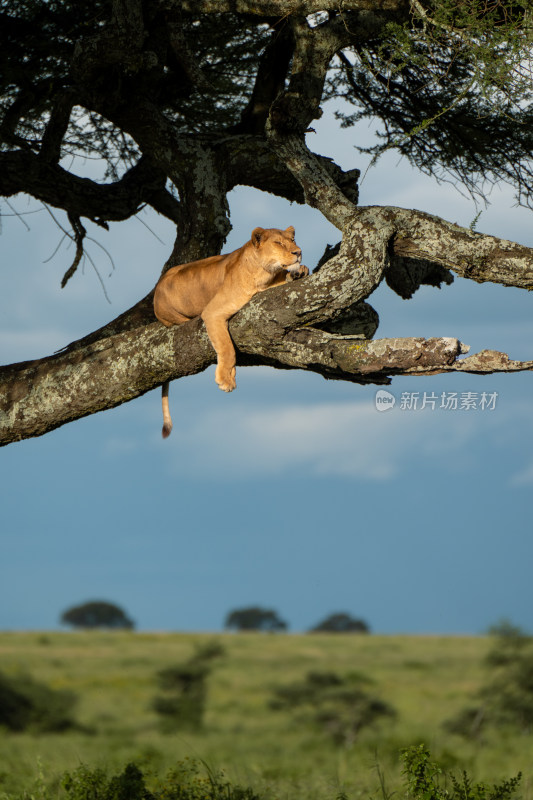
427, 680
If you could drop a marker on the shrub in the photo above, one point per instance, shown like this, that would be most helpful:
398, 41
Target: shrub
338, 705
507, 696
509, 644
425, 780
185, 686
28, 704
186, 782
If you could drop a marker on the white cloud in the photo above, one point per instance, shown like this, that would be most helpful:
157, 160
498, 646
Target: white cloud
345, 439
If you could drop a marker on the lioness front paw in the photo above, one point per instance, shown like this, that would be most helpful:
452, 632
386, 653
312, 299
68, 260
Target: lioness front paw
225, 379
295, 274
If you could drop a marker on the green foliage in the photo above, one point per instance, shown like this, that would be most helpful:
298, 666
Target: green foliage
341, 623
185, 686
509, 640
97, 614
452, 88
338, 705
493, 38
508, 695
190, 779
281, 754
226, 48
255, 618
185, 782
451, 84
28, 704
469, 722
506, 698
426, 780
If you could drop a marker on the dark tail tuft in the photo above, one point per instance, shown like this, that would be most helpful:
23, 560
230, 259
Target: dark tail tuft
166, 431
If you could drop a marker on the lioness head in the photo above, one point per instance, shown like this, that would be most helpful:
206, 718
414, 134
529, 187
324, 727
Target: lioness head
277, 249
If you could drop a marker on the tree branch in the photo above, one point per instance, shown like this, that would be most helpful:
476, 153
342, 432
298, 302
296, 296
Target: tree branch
269, 81
251, 161
277, 327
274, 8
23, 171
472, 255
57, 126
36, 397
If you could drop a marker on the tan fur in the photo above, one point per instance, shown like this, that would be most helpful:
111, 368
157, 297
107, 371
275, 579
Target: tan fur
216, 288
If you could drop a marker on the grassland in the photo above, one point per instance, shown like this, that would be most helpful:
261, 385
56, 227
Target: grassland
426, 679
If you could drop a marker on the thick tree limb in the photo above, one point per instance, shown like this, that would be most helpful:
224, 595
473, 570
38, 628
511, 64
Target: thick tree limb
277, 327
269, 80
472, 255
40, 396
57, 126
24, 171
141, 71
273, 8
251, 161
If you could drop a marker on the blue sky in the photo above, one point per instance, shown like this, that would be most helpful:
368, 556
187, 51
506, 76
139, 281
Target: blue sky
293, 492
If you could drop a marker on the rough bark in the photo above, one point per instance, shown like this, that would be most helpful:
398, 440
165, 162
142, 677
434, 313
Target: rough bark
279, 327
119, 73
24, 171
273, 8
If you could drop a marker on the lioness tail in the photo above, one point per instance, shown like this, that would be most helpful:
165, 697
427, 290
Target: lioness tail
167, 419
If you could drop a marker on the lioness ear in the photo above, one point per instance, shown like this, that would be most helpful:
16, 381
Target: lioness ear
290, 232
256, 236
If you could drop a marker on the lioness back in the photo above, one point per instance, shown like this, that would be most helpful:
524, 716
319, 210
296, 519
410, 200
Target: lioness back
185, 290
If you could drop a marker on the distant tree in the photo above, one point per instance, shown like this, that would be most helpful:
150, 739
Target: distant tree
97, 614
255, 619
341, 623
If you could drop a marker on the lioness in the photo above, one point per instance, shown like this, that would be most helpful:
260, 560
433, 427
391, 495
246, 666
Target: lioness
215, 288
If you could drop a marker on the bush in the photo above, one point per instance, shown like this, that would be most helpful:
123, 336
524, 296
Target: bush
469, 722
508, 696
186, 782
506, 699
338, 705
425, 780
27, 704
185, 686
